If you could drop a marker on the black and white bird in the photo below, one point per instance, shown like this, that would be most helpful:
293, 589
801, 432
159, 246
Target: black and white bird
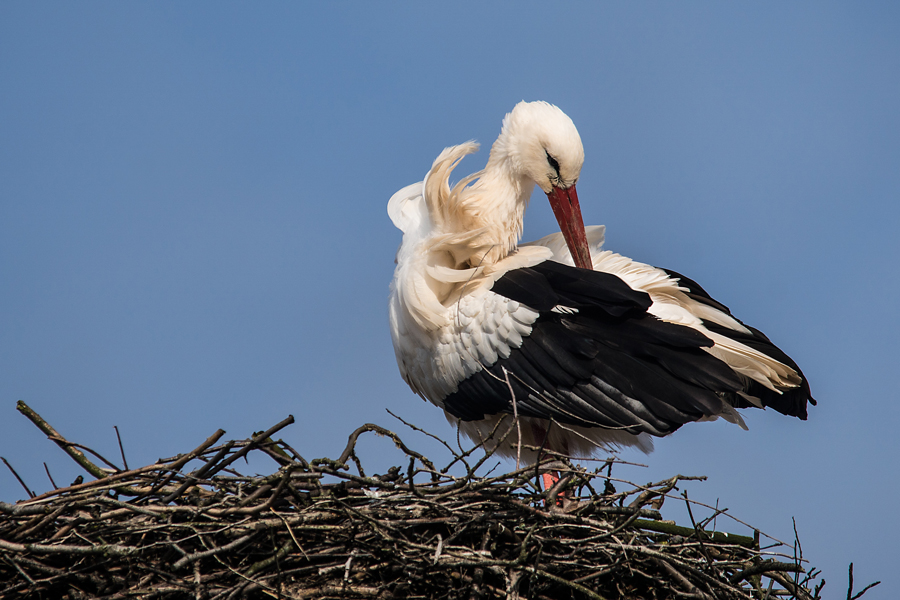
610, 351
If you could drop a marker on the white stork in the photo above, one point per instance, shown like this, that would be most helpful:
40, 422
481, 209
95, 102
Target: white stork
611, 351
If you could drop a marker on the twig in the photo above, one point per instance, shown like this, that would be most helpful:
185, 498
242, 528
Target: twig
766, 566
103, 549
420, 430
864, 590
50, 477
351, 443
16, 475
512, 400
190, 558
253, 443
121, 449
51, 433
697, 532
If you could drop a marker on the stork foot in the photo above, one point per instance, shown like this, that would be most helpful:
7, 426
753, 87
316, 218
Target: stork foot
565, 499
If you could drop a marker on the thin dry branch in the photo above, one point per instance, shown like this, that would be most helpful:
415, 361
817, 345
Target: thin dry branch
51, 433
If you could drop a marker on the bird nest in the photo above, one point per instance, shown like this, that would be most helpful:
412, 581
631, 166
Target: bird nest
319, 529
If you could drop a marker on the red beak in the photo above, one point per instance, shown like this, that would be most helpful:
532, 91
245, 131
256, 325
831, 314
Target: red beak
568, 214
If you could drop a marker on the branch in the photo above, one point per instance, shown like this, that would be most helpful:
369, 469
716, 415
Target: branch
60, 441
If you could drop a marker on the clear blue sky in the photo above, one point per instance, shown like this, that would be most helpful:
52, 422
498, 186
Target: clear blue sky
193, 231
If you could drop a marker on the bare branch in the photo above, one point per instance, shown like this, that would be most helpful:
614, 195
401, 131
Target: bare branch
16, 475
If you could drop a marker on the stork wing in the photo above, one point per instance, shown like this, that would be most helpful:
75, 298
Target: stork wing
596, 357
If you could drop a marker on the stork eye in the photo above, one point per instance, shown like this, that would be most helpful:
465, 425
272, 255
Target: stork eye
553, 162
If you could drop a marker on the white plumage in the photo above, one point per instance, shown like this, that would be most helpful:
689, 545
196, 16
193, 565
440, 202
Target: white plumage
454, 336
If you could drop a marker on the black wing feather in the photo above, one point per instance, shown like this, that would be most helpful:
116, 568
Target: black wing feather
611, 364
790, 402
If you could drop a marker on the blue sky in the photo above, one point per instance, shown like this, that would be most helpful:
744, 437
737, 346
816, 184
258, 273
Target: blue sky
193, 231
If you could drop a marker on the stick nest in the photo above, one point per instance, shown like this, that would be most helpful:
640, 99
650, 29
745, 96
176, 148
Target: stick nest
319, 529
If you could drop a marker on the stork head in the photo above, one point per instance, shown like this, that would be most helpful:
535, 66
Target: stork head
542, 145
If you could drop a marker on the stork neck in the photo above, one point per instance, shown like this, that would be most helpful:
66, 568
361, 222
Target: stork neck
503, 201
504, 171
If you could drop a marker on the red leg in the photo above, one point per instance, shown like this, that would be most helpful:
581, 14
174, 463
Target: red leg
548, 479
